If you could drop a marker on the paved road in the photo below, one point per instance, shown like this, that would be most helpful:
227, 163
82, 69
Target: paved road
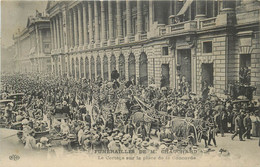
242, 153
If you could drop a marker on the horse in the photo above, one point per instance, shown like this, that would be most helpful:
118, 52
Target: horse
149, 121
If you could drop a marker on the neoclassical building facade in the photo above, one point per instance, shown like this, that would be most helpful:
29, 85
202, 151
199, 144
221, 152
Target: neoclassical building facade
153, 41
33, 45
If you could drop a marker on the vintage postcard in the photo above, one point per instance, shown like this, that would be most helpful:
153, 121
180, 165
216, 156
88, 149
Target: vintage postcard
130, 83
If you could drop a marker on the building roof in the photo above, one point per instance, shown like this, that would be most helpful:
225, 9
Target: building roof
38, 18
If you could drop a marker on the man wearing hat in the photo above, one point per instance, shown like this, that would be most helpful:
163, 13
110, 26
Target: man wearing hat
168, 132
80, 134
30, 142
145, 146
248, 125
85, 135
64, 128
96, 143
112, 142
218, 122
129, 129
110, 121
116, 144
125, 144
162, 134
165, 144
104, 141
65, 108
20, 116
141, 130
116, 131
238, 127
8, 112
43, 144
233, 117
212, 131
99, 121
87, 142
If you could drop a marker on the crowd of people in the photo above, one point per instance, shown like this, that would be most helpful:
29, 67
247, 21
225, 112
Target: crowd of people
84, 115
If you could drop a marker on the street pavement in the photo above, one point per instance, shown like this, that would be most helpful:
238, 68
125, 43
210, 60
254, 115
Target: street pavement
242, 153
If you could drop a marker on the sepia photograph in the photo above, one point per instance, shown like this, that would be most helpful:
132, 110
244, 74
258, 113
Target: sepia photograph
130, 83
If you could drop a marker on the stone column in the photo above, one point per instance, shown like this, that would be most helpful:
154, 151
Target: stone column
75, 67
137, 68
119, 19
228, 4
103, 22
97, 31
76, 42
85, 26
71, 29
58, 31
80, 26
151, 13
89, 67
96, 71
52, 35
40, 42
126, 68
90, 18
54, 32
229, 7
61, 31
109, 67
177, 6
139, 17
110, 22
200, 9
102, 67
128, 18
84, 66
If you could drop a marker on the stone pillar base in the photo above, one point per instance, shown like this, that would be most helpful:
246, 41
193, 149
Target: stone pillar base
66, 49
80, 47
117, 41
127, 40
103, 43
85, 47
90, 46
227, 10
138, 37
110, 42
226, 17
200, 16
97, 44
75, 48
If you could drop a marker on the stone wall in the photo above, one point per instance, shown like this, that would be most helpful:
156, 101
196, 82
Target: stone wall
153, 51
255, 62
217, 57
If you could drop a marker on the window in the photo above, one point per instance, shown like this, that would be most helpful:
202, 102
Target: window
46, 46
207, 47
165, 51
245, 69
245, 60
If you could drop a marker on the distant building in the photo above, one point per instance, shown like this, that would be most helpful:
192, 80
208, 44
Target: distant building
33, 45
160, 41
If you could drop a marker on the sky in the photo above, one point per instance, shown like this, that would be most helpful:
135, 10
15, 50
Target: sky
14, 15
